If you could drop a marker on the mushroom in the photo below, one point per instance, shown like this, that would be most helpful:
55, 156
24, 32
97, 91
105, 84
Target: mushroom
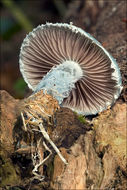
72, 66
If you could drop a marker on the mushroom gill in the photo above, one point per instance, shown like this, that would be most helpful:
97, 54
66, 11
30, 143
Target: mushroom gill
72, 66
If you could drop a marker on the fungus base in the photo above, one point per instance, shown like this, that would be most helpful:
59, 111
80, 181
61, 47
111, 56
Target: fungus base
40, 107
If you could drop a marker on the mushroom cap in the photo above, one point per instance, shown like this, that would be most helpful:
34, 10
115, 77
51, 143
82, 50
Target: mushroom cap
49, 45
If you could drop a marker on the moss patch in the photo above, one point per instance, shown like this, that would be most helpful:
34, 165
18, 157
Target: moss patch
81, 118
7, 171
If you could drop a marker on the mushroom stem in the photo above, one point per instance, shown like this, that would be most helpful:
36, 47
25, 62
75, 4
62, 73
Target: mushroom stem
60, 80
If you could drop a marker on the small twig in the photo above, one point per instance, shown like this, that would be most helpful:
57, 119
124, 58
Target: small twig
41, 162
46, 136
25, 150
23, 120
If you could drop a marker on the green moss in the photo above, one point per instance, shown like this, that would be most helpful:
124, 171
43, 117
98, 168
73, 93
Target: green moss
81, 118
7, 171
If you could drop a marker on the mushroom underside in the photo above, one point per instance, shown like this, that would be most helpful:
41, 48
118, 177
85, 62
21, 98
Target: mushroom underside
50, 45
